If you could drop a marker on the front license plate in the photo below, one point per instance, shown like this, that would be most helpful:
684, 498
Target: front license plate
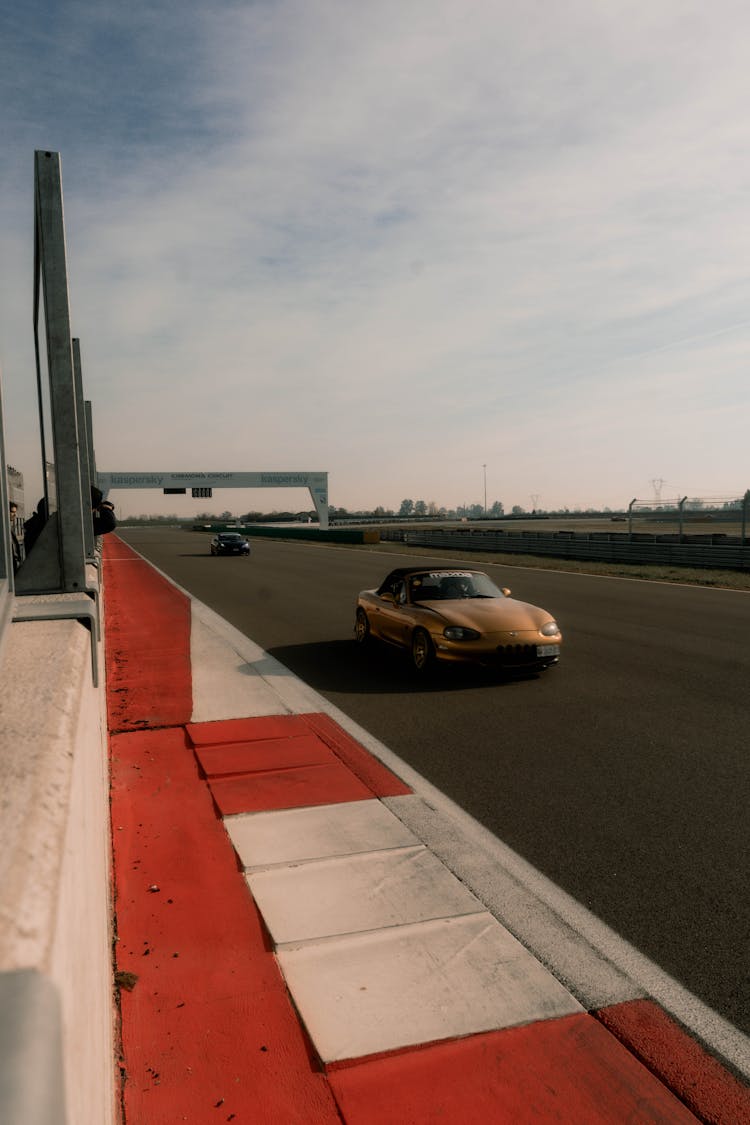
548, 650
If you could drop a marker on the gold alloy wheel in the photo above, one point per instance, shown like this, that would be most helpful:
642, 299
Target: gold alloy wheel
361, 627
421, 650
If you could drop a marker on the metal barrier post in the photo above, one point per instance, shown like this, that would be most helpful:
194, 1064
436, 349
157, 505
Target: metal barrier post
681, 509
83, 448
57, 564
90, 441
6, 549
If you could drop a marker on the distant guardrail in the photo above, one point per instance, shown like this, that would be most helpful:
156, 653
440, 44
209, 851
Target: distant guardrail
712, 551
271, 531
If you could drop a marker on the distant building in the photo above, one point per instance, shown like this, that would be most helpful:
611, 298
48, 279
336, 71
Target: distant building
15, 489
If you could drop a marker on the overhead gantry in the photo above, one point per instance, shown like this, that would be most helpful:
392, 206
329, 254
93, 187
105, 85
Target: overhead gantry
200, 484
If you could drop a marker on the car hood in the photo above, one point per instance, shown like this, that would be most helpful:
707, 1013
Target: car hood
490, 615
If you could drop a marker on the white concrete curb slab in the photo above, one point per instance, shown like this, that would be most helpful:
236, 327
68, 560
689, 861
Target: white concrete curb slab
351, 894
416, 984
295, 835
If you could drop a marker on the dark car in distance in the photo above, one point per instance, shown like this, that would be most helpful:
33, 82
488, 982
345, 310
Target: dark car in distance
229, 543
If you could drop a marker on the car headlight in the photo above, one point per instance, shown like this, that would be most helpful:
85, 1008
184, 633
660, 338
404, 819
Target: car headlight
549, 629
459, 633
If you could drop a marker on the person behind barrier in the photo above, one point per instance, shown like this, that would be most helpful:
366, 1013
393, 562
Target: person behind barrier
33, 526
103, 512
15, 541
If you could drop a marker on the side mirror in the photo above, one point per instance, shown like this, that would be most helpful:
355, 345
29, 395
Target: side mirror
506, 592
388, 597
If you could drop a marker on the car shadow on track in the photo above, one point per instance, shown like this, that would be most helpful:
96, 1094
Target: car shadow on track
341, 666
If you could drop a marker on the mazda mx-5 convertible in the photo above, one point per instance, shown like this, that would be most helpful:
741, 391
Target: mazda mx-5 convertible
448, 614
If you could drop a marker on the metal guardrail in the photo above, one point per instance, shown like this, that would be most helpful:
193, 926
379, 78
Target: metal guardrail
603, 546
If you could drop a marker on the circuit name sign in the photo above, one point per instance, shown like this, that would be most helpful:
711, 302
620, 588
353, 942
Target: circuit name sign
315, 482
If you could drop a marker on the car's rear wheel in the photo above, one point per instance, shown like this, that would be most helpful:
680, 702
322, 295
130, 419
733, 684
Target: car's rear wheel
361, 627
422, 652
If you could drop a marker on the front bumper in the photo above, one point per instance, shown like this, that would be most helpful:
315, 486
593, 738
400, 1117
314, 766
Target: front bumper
525, 650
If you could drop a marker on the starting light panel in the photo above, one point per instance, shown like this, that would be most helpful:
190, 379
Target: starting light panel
201, 493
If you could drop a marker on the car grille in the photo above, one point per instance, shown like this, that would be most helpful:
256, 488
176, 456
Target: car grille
516, 655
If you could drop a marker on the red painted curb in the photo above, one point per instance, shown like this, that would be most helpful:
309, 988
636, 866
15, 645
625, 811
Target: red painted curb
224, 732
700, 1080
377, 777
232, 758
208, 1031
569, 1070
380, 781
282, 762
147, 643
288, 789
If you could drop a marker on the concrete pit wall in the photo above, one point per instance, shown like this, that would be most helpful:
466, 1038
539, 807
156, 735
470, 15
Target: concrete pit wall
56, 986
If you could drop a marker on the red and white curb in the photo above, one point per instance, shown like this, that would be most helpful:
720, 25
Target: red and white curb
380, 945
419, 1004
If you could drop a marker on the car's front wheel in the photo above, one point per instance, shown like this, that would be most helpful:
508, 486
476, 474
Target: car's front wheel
422, 652
361, 627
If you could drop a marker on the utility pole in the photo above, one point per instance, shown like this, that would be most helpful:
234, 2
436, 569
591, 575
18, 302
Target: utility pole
485, 489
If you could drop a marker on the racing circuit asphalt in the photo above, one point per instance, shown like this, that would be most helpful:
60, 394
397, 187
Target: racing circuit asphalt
622, 775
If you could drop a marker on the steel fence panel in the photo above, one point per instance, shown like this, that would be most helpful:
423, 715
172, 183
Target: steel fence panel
645, 549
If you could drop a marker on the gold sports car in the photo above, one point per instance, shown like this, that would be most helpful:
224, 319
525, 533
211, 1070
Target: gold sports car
449, 614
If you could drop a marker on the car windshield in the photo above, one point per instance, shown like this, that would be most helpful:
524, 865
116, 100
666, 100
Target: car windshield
442, 585
230, 536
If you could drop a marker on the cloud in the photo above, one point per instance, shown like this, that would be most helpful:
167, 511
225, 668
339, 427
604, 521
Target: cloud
397, 241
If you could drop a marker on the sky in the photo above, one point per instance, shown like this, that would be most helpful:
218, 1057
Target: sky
421, 245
